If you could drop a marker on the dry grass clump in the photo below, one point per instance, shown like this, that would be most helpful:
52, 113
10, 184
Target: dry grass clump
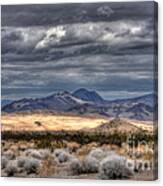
85, 149
148, 155
23, 145
6, 145
114, 167
73, 146
48, 167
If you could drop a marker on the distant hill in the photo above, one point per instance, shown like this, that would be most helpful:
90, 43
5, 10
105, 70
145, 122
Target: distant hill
83, 101
86, 95
61, 101
149, 99
5, 102
118, 125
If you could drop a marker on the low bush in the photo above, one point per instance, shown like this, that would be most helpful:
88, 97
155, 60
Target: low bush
44, 153
76, 167
11, 168
35, 153
114, 167
9, 154
97, 153
21, 161
90, 165
31, 165
62, 156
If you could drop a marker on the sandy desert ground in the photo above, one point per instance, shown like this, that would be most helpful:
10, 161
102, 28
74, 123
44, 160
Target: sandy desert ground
55, 122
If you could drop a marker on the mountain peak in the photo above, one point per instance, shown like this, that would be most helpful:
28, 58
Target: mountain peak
81, 90
88, 95
60, 93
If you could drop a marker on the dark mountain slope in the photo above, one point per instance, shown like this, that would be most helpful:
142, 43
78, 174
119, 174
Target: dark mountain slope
84, 101
86, 95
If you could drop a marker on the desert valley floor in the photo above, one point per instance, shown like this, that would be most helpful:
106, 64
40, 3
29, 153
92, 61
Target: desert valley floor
63, 145
56, 122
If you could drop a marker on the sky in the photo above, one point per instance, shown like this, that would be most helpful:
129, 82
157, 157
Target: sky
107, 47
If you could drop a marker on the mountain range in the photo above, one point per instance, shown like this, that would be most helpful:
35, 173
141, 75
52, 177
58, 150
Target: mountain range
5, 102
83, 101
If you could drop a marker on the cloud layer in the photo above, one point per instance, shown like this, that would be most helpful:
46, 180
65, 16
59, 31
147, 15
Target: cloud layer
103, 46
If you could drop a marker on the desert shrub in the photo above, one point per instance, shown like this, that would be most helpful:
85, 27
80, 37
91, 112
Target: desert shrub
62, 156
38, 123
90, 164
33, 153
36, 154
84, 150
44, 143
148, 155
73, 146
97, 153
11, 168
60, 143
75, 166
4, 162
81, 137
27, 152
110, 153
9, 154
21, 161
22, 147
57, 152
52, 140
114, 167
31, 165
44, 153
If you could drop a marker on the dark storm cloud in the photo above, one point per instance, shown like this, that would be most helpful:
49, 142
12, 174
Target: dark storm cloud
76, 39
103, 46
32, 15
